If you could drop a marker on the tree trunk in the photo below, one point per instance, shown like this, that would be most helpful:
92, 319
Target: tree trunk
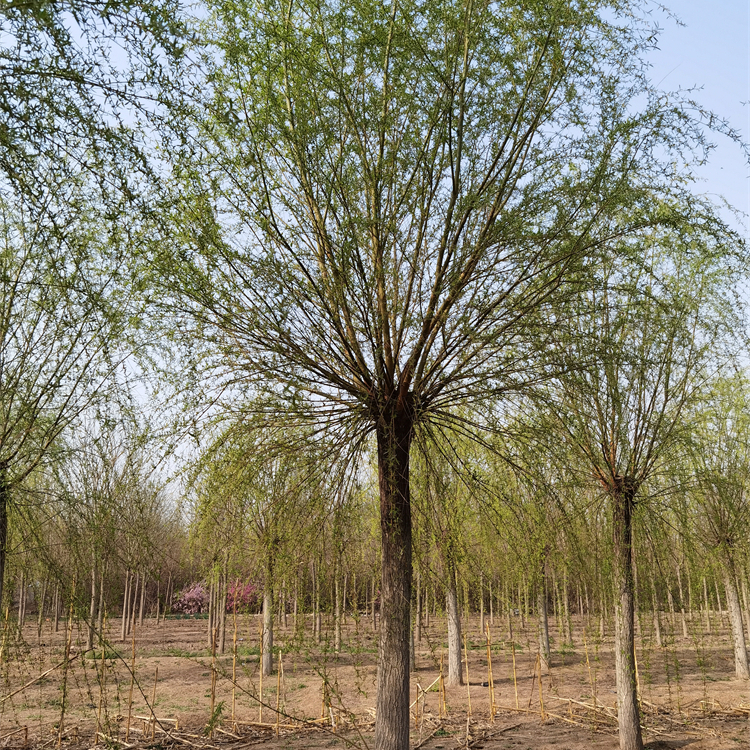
56, 608
418, 623
629, 722
708, 610
143, 600
685, 633
267, 665
336, 611
4, 497
455, 675
745, 605
544, 649
100, 609
42, 603
566, 607
92, 611
738, 631
125, 610
394, 432
481, 602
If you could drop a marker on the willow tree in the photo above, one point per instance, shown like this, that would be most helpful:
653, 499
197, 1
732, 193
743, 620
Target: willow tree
376, 204
720, 457
639, 347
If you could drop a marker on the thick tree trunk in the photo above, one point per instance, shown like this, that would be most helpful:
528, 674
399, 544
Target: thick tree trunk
628, 716
455, 674
394, 432
738, 631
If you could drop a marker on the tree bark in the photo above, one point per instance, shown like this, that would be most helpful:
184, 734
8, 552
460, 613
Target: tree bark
267, 665
738, 631
629, 722
4, 497
418, 623
125, 611
92, 611
455, 675
394, 431
544, 649
336, 610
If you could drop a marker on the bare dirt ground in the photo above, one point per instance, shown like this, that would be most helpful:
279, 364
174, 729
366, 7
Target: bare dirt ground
689, 695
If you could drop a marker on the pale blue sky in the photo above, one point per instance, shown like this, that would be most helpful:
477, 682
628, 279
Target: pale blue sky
712, 50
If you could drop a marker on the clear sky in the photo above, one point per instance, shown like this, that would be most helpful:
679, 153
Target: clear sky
712, 50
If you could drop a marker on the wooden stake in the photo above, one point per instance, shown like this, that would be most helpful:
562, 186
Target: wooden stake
592, 681
278, 693
541, 699
490, 679
68, 642
213, 679
153, 704
130, 698
441, 690
515, 681
260, 679
234, 664
468, 684
101, 684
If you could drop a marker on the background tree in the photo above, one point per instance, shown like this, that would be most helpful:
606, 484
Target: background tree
641, 345
720, 457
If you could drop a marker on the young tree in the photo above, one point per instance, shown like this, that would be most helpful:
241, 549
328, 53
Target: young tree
639, 347
63, 312
376, 202
720, 457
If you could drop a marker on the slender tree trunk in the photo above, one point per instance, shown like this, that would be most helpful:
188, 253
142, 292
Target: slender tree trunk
682, 602
56, 608
629, 722
708, 606
92, 611
22, 601
566, 606
100, 608
372, 604
418, 623
455, 674
143, 600
4, 497
336, 610
136, 579
394, 432
211, 615
544, 649
125, 603
657, 618
718, 602
492, 610
481, 602
738, 631
267, 630
43, 602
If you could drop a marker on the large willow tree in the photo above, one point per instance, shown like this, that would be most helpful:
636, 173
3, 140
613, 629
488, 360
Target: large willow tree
378, 205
